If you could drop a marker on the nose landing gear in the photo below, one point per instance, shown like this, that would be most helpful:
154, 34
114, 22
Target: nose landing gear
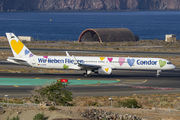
158, 73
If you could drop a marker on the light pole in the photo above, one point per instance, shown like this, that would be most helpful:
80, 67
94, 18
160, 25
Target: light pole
7, 96
111, 101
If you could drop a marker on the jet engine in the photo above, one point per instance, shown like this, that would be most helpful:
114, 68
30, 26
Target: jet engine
105, 70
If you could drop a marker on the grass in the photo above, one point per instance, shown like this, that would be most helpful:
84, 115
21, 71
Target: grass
171, 101
161, 101
127, 46
32, 70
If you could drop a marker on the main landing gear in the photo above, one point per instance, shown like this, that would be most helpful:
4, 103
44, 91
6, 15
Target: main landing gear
88, 73
158, 73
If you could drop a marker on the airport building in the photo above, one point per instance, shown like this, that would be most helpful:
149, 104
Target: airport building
170, 38
107, 35
21, 38
26, 38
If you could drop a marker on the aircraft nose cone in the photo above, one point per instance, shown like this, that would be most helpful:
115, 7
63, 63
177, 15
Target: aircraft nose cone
173, 66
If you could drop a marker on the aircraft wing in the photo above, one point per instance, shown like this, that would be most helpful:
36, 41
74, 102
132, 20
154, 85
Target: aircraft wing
88, 66
85, 66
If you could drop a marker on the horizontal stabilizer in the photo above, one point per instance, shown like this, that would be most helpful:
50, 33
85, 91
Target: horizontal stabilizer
18, 61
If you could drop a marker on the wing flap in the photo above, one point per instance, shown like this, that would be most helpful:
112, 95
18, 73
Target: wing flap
85, 66
88, 66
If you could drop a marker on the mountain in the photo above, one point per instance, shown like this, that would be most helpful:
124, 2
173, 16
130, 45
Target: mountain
88, 5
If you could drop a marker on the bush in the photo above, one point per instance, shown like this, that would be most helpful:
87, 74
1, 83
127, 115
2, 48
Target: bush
55, 92
39, 116
14, 118
52, 108
90, 103
129, 103
164, 104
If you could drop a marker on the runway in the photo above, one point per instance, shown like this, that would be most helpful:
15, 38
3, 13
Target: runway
130, 82
106, 52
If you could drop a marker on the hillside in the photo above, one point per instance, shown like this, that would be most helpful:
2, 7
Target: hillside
88, 5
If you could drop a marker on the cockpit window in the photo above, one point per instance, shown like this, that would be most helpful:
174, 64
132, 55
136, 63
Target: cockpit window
169, 63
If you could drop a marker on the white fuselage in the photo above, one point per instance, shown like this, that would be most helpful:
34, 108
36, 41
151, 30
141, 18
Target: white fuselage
67, 62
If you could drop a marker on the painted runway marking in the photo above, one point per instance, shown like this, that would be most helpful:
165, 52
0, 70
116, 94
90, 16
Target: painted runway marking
38, 81
90, 85
157, 88
118, 79
134, 80
145, 81
104, 92
16, 86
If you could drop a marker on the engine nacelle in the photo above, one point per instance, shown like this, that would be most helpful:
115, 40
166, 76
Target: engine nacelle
105, 70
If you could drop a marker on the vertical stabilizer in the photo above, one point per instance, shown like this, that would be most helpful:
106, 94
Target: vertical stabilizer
17, 47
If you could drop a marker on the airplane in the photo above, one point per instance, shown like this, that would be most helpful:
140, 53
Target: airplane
99, 65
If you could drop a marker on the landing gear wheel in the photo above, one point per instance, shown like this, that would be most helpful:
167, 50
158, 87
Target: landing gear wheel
86, 75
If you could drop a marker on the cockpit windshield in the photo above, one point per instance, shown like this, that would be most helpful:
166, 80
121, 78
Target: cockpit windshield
169, 63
